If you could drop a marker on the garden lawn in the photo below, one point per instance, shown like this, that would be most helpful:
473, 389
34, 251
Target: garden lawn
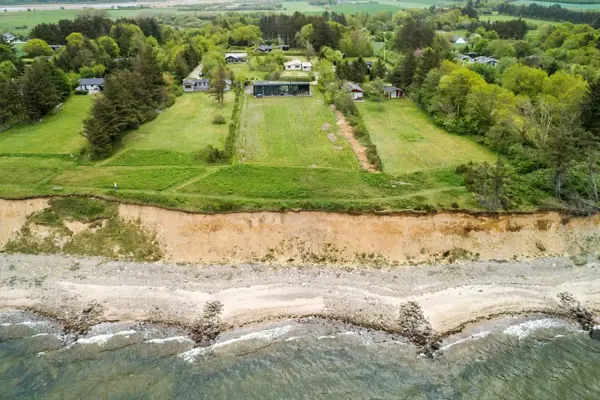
185, 127
138, 178
58, 133
408, 141
292, 131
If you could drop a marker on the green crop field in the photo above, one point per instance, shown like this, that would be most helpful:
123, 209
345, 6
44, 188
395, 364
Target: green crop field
184, 127
58, 133
407, 141
292, 131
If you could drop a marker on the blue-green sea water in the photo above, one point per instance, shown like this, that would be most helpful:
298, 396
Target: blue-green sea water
539, 359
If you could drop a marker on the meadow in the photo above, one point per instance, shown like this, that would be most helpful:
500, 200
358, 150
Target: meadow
407, 141
289, 155
58, 133
185, 127
292, 131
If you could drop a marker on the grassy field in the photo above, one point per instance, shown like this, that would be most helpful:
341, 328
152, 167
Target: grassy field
26, 20
532, 21
292, 131
573, 6
407, 141
57, 134
185, 127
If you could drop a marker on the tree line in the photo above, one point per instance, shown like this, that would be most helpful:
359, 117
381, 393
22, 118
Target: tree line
553, 13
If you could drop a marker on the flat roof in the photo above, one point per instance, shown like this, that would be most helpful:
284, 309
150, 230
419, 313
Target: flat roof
279, 83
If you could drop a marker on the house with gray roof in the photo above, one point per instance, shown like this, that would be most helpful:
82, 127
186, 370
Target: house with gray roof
90, 85
9, 37
355, 90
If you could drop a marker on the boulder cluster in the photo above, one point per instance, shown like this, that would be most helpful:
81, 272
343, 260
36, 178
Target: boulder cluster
415, 327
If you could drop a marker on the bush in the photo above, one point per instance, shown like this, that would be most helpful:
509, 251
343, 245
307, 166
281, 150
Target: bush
211, 155
219, 120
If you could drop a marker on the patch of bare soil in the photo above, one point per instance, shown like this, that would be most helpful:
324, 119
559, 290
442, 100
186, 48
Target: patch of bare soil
359, 149
13, 215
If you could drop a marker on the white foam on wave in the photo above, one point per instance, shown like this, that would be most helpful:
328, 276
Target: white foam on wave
526, 328
475, 336
268, 334
176, 339
25, 323
103, 339
327, 337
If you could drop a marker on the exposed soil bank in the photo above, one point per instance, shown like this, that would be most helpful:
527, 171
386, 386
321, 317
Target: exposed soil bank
335, 238
450, 295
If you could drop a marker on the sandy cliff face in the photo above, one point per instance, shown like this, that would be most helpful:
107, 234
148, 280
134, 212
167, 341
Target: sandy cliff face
386, 239
13, 215
324, 238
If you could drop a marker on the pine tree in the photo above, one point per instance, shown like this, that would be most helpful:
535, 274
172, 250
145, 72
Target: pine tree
218, 84
39, 91
11, 103
403, 75
101, 127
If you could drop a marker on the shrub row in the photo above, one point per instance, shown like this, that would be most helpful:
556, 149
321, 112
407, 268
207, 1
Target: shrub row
346, 105
211, 154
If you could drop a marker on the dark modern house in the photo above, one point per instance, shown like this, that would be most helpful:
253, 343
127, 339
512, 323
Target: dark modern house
201, 85
284, 47
263, 89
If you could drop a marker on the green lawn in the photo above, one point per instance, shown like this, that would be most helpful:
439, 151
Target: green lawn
58, 133
292, 131
243, 69
29, 170
185, 127
407, 141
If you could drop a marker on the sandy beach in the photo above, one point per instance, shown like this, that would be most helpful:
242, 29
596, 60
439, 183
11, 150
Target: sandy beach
450, 295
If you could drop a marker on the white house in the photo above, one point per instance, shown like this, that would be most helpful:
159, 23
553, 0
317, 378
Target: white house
294, 65
90, 85
306, 66
486, 60
459, 40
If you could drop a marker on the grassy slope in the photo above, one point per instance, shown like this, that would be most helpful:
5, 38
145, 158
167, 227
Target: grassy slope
185, 127
57, 134
407, 141
288, 132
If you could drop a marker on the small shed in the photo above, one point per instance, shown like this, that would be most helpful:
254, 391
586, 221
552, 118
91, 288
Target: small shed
357, 92
306, 66
392, 92
9, 37
284, 47
294, 65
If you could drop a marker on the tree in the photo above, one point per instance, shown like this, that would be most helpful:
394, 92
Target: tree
356, 43
109, 46
358, 70
309, 51
469, 10
43, 86
11, 104
375, 90
36, 48
590, 117
378, 70
217, 84
100, 127
403, 75
524, 80
489, 183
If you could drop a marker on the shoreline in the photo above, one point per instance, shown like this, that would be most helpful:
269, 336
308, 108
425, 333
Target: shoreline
453, 297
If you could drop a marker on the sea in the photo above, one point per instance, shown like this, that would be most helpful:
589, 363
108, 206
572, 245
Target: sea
510, 358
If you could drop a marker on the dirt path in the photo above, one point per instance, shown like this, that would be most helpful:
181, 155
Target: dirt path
359, 149
450, 295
